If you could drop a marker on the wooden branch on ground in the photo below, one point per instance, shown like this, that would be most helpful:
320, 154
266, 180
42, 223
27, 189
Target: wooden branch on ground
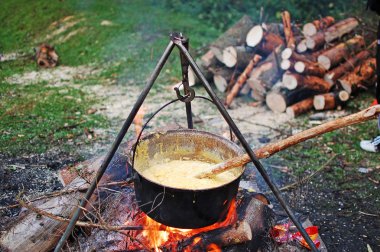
342, 51
270, 149
242, 79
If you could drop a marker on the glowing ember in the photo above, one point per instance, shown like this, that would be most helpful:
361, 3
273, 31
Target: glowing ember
157, 235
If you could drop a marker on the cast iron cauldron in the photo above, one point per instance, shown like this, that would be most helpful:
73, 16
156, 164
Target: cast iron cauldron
184, 208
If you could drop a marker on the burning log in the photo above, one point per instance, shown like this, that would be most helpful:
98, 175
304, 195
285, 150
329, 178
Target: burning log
312, 28
292, 81
361, 76
46, 56
333, 75
242, 79
223, 77
330, 100
264, 76
281, 98
338, 53
300, 108
237, 56
309, 68
253, 222
333, 32
266, 42
289, 37
234, 36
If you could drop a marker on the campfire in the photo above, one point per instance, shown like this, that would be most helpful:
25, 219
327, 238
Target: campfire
158, 236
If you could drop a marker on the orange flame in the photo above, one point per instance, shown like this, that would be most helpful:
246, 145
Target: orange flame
213, 248
159, 235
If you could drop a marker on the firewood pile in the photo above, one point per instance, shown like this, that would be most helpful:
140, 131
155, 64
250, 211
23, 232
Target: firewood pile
292, 68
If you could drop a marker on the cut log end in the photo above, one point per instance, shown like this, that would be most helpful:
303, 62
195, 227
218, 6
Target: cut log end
230, 56
286, 53
346, 86
276, 102
309, 29
319, 102
220, 83
285, 64
255, 35
301, 46
299, 66
310, 43
324, 61
289, 81
343, 95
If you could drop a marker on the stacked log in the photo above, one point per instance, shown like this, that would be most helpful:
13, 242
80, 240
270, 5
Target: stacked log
290, 70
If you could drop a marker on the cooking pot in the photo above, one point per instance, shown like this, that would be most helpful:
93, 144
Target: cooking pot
184, 208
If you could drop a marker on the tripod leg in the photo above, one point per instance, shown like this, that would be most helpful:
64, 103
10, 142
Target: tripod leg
115, 146
246, 146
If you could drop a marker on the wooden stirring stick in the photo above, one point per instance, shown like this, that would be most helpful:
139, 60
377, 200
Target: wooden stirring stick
270, 149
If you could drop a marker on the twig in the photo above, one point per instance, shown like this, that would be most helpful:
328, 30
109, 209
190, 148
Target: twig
67, 191
304, 179
368, 214
82, 223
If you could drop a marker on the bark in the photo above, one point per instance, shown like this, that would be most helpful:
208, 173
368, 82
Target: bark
309, 68
270, 149
265, 75
223, 77
312, 28
333, 32
293, 81
289, 37
242, 79
334, 74
237, 56
300, 108
234, 36
265, 42
279, 99
338, 53
330, 100
361, 76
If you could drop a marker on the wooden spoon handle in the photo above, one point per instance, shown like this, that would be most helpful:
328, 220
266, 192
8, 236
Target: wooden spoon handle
270, 149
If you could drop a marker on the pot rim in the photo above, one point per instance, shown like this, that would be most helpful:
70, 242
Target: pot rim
231, 144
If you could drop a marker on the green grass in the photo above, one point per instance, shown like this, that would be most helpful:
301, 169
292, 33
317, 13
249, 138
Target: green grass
36, 116
33, 117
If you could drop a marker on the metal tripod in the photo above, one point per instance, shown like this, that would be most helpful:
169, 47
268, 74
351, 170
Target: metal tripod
182, 43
